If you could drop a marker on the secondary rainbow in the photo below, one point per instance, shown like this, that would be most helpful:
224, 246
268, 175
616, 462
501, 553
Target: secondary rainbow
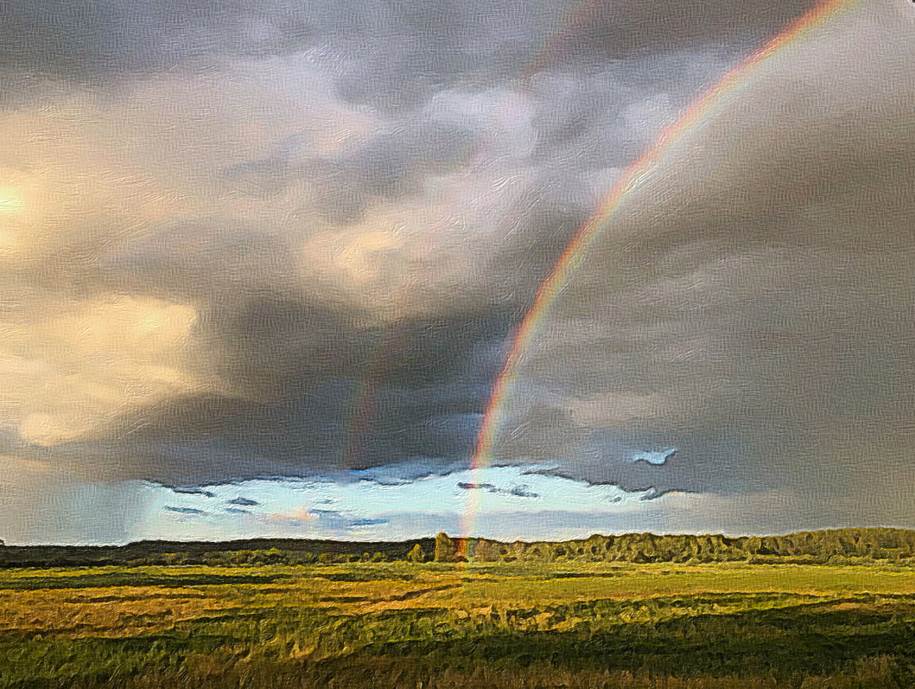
584, 236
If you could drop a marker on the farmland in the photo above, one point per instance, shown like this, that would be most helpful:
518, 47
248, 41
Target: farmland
492, 625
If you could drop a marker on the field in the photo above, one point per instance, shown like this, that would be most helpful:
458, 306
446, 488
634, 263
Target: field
475, 625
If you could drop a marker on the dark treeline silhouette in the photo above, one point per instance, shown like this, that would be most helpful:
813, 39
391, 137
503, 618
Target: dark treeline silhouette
834, 545
240, 552
828, 546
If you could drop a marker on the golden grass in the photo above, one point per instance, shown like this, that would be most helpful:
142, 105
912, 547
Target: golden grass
73, 626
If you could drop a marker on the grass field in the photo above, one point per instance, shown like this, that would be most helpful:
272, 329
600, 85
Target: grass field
442, 625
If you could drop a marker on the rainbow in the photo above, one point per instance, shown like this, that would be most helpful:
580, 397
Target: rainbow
577, 247
363, 411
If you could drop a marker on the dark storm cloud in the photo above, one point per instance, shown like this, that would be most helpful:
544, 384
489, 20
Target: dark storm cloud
218, 262
315, 386
90, 39
607, 116
392, 54
390, 164
309, 402
750, 309
749, 306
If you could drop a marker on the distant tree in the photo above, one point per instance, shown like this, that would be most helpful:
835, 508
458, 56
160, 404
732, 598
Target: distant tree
444, 548
485, 551
174, 558
272, 556
378, 557
416, 554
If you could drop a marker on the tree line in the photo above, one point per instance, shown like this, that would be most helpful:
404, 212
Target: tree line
828, 546
254, 551
834, 545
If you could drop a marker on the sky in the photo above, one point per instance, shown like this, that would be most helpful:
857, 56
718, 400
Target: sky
261, 265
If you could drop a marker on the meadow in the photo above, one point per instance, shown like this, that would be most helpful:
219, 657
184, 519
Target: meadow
477, 625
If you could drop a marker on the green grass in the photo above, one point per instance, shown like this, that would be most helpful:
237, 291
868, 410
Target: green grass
440, 626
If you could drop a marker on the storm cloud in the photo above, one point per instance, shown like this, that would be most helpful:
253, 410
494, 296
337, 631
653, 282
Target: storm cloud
749, 306
271, 240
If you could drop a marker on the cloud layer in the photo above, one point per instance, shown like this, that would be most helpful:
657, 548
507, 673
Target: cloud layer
748, 304
293, 240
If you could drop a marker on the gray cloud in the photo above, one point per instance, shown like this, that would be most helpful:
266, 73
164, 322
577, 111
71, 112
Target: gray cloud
419, 400
243, 502
290, 239
748, 304
193, 491
388, 165
519, 491
184, 510
114, 38
392, 54
331, 521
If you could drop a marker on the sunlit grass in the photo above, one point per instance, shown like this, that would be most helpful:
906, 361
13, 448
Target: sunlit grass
493, 625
